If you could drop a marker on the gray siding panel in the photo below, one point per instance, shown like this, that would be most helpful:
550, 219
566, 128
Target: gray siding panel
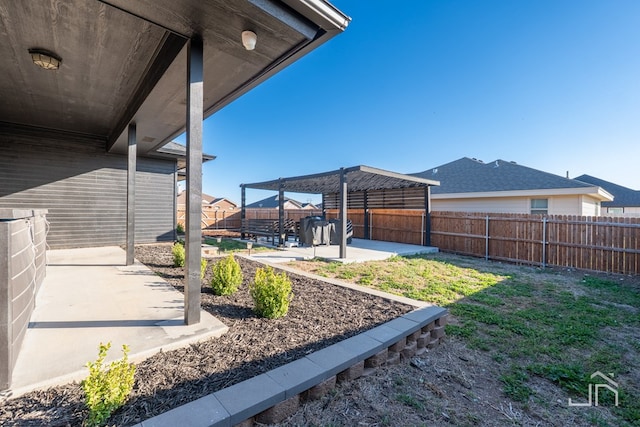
84, 189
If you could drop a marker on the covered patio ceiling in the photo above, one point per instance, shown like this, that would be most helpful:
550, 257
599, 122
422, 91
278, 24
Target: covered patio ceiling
135, 74
358, 178
125, 62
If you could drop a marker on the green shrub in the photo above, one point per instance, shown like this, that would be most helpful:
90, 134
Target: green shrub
180, 228
227, 276
178, 254
203, 267
107, 389
271, 293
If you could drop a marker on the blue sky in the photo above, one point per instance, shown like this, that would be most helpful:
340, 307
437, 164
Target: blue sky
413, 84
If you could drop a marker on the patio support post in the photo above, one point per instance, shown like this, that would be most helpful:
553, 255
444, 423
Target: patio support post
367, 234
193, 235
343, 213
243, 209
131, 194
324, 207
427, 215
281, 213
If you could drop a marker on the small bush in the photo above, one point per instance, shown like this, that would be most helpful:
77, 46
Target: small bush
203, 267
107, 389
180, 228
227, 276
178, 254
271, 293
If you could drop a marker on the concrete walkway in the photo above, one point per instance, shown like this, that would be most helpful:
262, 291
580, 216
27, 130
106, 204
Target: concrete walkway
360, 250
89, 296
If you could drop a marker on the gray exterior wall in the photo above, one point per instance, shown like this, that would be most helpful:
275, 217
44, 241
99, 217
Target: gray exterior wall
84, 189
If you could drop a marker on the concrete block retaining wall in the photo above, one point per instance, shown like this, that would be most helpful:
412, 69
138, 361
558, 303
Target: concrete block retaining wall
22, 270
275, 395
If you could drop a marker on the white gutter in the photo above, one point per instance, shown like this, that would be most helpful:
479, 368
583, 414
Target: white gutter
323, 13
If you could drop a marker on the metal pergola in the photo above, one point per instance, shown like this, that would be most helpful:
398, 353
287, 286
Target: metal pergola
358, 187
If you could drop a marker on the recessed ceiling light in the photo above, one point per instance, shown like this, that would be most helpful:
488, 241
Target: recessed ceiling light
45, 59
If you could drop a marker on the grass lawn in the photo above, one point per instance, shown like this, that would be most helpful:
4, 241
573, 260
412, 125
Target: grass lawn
230, 245
544, 328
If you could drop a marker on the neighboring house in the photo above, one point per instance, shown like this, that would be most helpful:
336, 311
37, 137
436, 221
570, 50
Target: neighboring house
214, 209
273, 203
625, 200
470, 185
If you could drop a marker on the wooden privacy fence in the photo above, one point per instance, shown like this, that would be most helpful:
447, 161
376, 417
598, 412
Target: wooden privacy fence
391, 225
231, 219
609, 244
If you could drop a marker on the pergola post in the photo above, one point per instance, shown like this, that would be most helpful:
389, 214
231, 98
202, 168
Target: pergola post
343, 214
281, 213
367, 235
131, 194
324, 207
427, 215
193, 235
243, 209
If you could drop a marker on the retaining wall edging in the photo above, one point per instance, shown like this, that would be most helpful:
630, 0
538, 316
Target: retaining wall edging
274, 395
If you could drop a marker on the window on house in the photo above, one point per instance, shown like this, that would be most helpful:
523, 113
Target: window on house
616, 211
539, 206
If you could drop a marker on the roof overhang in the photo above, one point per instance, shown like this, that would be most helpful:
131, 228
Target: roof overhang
358, 178
126, 61
597, 193
178, 152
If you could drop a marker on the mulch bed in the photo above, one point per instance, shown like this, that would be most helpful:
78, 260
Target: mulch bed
320, 314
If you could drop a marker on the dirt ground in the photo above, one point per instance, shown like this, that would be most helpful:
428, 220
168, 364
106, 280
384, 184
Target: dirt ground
451, 385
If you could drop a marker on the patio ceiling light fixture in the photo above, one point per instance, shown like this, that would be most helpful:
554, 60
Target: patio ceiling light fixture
45, 59
249, 39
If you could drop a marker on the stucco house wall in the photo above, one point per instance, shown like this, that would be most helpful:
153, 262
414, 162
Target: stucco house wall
557, 205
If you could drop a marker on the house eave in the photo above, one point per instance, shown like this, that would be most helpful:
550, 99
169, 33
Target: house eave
595, 192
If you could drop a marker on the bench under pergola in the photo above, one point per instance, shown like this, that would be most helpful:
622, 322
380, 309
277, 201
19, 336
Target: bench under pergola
357, 187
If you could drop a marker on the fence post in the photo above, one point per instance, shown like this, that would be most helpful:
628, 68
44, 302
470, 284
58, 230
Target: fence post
544, 241
486, 239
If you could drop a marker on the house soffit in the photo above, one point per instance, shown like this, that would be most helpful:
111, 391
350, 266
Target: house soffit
125, 62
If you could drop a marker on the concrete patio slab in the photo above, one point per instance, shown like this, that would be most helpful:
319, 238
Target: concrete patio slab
360, 250
89, 296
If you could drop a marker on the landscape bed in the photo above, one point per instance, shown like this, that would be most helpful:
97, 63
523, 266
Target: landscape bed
320, 314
